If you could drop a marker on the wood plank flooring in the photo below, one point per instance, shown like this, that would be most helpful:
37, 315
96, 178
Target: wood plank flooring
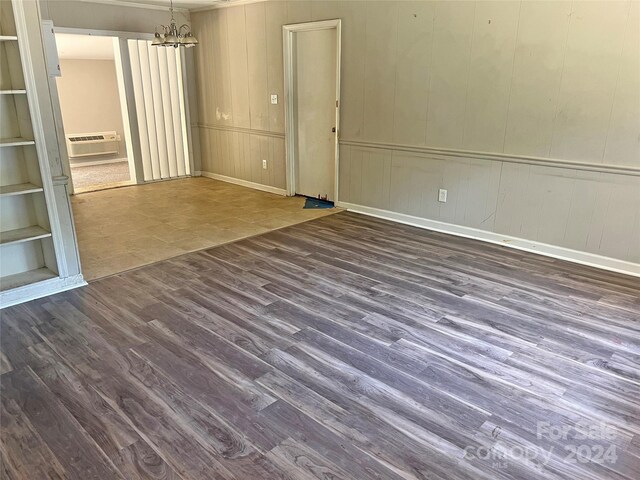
344, 347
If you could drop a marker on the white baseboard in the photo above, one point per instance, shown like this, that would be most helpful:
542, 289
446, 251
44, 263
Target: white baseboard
245, 183
576, 256
40, 289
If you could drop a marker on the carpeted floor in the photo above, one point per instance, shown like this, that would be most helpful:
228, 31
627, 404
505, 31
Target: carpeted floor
95, 176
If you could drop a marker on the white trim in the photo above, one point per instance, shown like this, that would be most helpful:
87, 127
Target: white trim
576, 256
497, 157
40, 289
290, 117
244, 183
225, 4
103, 33
133, 4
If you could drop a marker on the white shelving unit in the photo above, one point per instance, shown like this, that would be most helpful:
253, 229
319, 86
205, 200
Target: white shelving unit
32, 253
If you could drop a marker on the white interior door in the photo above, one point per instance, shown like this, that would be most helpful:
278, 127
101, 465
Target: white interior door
161, 111
315, 97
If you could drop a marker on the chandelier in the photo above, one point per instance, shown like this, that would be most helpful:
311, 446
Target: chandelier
172, 36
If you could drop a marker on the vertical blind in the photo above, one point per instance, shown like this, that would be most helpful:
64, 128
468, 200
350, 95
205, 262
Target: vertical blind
160, 106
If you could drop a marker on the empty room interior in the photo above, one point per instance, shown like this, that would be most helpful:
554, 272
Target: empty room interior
90, 104
320, 239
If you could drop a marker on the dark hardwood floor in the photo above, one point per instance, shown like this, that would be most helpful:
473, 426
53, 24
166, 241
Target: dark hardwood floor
345, 347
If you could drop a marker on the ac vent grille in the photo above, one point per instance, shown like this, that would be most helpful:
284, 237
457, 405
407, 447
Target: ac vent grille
92, 143
84, 139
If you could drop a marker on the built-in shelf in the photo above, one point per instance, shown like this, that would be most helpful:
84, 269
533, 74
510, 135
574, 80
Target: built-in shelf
27, 234
19, 189
29, 252
15, 142
25, 278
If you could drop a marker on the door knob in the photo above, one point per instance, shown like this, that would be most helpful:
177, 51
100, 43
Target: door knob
333, 129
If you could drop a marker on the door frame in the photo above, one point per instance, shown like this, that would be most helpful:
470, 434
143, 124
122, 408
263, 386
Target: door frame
126, 103
291, 119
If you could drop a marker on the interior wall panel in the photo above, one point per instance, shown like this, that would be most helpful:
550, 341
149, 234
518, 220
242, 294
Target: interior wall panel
622, 137
223, 111
257, 75
535, 83
298, 12
556, 80
325, 10
238, 71
494, 73
414, 51
380, 70
589, 77
490, 71
449, 77
276, 14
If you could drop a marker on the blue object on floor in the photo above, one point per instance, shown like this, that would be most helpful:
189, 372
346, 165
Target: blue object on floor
317, 203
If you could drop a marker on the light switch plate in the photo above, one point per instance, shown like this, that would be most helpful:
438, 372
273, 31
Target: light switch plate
442, 195
274, 99
264, 164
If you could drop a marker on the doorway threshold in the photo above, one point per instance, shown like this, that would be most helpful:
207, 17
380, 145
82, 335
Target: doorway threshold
102, 186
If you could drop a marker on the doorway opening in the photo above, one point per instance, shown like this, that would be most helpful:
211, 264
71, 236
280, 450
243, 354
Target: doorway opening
91, 95
312, 91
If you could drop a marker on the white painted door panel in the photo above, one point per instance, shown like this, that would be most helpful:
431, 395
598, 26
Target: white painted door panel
315, 87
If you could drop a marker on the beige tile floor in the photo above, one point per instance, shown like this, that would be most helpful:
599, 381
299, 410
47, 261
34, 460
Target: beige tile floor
128, 227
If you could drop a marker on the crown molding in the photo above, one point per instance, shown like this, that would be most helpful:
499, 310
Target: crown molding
134, 4
225, 4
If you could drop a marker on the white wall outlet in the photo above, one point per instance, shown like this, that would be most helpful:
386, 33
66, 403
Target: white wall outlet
274, 99
442, 195
264, 164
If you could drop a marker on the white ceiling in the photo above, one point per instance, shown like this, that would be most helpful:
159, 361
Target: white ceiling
84, 47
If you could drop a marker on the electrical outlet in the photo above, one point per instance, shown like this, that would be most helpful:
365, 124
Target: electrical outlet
264, 164
442, 195
274, 99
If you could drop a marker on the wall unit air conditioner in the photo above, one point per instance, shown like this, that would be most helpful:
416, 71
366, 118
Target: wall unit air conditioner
88, 144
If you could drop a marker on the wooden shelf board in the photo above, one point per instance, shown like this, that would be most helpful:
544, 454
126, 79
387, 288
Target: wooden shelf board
19, 189
25, 278
12, 92
15, 142
5, 38
27, 234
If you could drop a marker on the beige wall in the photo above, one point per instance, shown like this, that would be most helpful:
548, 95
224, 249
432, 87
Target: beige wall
89, 98
528, 113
